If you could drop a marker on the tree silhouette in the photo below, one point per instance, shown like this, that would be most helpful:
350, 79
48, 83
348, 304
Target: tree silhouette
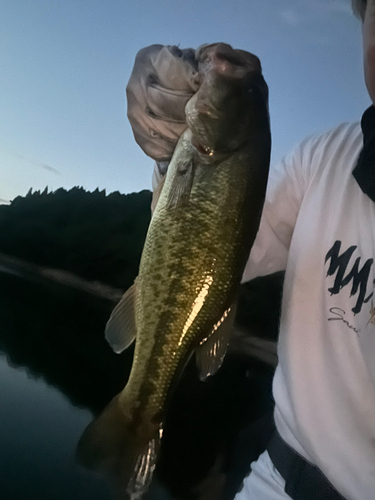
97, 236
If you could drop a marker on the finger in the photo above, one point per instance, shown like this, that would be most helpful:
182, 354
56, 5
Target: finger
174, 80
155, 137
157, 147
167, 104
176, 69
162, 81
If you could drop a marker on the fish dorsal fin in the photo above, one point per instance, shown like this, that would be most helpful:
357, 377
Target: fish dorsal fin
120, 330
210, 354
182, 182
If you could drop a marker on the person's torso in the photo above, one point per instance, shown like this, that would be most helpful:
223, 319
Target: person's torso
324, 385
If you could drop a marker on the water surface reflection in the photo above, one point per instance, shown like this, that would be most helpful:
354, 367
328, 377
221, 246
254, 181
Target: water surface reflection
38, 434
57, 372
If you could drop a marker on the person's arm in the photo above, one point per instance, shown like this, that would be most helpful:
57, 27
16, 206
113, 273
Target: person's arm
286, 185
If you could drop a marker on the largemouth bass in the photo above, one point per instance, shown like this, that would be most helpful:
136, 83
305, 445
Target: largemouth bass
197, 245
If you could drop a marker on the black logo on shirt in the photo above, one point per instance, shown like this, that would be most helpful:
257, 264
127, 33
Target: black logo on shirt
357, 277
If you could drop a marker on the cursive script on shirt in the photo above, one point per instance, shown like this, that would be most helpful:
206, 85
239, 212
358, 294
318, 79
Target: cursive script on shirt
338, 315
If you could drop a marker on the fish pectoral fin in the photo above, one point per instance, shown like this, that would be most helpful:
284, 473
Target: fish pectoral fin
120, 330
182, 182
210, 354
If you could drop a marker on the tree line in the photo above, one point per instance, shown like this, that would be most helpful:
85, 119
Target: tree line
95, 235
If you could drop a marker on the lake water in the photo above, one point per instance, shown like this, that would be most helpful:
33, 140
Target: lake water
56, 372
39, 431
39, 425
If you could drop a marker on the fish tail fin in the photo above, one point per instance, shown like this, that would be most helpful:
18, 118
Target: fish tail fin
109, 445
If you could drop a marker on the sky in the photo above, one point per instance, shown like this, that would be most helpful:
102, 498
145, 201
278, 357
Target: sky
65, 64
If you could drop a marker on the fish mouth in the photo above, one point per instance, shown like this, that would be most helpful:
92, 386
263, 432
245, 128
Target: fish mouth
226, 61
200, 140
210, 145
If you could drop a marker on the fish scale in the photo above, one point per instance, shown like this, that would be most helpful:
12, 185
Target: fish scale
187, 236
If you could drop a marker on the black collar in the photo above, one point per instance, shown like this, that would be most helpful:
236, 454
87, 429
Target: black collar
364, 171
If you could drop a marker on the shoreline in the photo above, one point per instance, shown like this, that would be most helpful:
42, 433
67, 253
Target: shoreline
45, 275
242, 343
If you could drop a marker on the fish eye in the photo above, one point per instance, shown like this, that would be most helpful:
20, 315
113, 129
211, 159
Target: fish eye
201, 148
205, 150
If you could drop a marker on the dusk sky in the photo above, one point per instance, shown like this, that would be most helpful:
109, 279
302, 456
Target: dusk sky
65, 64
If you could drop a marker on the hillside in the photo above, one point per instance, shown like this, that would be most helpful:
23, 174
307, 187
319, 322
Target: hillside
94, 235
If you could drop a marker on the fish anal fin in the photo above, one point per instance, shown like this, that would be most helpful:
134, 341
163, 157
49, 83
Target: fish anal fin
144, 469
210, 354
179, 192
120, 330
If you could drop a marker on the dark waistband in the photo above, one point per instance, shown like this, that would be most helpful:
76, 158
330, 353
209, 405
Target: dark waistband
303, 481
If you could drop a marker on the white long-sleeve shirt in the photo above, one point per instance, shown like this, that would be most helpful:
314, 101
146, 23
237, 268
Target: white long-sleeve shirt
319, 227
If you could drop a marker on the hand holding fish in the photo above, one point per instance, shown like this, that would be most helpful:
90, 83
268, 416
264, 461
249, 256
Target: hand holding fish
163, 80
197, 245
